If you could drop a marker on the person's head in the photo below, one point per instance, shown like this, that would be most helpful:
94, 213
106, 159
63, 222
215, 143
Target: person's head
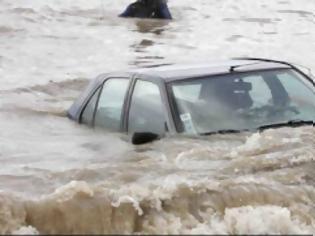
145, 1
152, 2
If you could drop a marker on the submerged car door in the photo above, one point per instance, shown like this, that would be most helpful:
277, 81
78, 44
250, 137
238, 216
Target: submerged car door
105, 108
147, 111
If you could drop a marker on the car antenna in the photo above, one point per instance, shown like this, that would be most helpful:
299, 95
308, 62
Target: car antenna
232, 68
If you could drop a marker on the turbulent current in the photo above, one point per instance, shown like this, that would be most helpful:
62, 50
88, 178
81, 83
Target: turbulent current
58, 177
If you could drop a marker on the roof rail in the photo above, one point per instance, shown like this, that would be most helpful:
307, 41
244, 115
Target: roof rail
292, 65
264, 59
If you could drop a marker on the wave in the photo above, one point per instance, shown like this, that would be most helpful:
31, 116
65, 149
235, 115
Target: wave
225, 207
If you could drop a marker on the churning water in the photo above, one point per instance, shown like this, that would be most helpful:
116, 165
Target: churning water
60, 177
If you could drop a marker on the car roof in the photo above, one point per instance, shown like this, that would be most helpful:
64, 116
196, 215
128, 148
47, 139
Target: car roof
184, 71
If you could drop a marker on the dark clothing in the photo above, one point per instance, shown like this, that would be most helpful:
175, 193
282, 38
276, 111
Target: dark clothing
148, 9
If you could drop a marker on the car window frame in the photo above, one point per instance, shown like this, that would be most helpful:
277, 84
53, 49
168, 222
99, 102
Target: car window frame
98, 90
309, 78
101, 86
170, 124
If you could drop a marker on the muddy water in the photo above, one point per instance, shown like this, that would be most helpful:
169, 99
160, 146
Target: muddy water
59, 177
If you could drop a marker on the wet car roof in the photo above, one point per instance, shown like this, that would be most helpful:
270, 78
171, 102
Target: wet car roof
184, 71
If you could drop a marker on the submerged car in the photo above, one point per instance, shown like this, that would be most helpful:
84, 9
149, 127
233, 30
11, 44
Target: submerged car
237, 95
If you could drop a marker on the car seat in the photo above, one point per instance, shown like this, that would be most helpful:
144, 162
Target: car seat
230, 92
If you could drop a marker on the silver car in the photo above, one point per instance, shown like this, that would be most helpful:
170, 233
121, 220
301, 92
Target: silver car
245, 94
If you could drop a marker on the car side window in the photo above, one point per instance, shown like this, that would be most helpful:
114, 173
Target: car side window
110, 105
88, 113
146, 110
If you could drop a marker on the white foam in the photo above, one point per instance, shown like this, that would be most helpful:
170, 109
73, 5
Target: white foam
26, 230
264, 220
243, 220
68, 191
128, 199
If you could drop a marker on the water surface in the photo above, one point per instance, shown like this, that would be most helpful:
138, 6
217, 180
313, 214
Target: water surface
60, 177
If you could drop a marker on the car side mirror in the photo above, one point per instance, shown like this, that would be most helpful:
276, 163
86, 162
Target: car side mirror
140, 138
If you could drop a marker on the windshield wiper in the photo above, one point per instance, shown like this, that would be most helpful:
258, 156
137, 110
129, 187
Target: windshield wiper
224, 131
290, 123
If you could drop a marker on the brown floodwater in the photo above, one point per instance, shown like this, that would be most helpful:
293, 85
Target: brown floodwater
58, 177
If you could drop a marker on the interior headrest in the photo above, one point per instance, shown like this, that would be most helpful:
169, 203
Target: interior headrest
241, 86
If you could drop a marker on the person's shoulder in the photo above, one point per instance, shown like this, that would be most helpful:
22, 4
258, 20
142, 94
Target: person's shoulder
135, 4
129, 12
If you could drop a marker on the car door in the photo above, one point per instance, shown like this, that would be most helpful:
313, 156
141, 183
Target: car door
105, 107
147, 111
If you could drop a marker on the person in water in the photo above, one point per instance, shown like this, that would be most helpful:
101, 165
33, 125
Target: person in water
148, 9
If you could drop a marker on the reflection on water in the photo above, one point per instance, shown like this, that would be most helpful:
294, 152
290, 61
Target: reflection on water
154, 27
61, 177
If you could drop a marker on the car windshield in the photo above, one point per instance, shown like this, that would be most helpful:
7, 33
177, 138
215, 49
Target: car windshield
242, 100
